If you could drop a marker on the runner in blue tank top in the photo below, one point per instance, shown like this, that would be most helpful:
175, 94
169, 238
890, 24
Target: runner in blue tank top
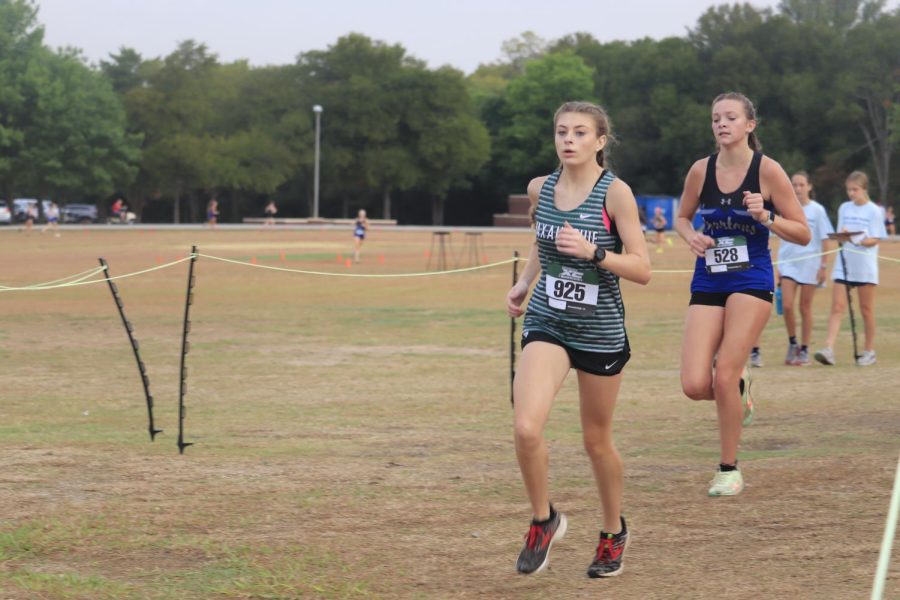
588, 234
360, 227
741, 195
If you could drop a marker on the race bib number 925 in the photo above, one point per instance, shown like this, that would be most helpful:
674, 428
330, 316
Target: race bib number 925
571, 290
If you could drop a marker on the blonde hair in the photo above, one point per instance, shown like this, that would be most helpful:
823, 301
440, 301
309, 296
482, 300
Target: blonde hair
859, 178
749, 112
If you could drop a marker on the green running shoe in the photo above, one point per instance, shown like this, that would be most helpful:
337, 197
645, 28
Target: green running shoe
727, 483
746, 398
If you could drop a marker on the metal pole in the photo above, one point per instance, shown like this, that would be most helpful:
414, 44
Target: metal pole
512, 334
318, 110
182, 388
849, 300
135, 347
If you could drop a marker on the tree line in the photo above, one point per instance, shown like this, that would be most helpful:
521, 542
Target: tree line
424, 145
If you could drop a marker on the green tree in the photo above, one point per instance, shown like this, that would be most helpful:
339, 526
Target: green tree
524, 146
390, 124
174, 109
448, 143
21, 47
259, 126
62, 128
76, 140
124, 70
870, 86
834, 14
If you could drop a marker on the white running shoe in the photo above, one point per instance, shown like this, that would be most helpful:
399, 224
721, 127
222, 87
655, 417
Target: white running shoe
825, 356
727, 483
866, 358
756, 359
791, 357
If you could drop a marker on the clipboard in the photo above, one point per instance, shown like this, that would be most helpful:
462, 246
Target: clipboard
843, 236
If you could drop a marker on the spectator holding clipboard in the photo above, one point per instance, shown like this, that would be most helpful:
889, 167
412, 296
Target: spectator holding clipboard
860, 228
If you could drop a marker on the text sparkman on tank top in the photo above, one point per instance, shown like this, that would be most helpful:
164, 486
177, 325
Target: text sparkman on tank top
728, 224
545, 231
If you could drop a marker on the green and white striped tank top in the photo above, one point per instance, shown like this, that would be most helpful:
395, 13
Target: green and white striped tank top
575, 301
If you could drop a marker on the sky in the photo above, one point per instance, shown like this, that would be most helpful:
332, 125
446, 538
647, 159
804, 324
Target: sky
461, 33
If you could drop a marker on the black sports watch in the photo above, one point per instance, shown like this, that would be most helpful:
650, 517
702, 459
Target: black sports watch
599, 255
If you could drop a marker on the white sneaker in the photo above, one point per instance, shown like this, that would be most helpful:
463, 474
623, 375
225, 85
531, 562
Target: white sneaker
756, 359
866, 358
727, 483
825, 356
791, 357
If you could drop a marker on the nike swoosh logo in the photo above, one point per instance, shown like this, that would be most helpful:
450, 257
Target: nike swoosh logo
609, 366
584, 216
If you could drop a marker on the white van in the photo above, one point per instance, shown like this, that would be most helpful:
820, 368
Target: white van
20, 204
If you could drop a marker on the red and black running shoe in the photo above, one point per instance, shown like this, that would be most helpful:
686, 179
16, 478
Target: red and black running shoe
610, 553
540, 537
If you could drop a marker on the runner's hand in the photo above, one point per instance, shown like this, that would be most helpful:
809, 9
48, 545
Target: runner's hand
569, 241
699, 243
754, 204
514, 299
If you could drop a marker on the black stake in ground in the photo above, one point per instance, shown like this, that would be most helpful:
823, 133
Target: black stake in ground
512, 334
134, 346
182, 388
849, 300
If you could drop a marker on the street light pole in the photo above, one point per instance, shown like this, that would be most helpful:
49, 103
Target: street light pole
318, 110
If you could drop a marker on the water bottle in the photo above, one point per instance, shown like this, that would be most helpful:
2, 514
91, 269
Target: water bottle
779, 307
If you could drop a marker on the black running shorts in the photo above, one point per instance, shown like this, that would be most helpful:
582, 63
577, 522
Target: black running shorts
720, 298
595, 363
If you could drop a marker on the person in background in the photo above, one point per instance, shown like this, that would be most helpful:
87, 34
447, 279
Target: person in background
801, 269
31, 215
271, 210
360, 228
659, 226
212, 213
737, 191
587, 236
52, 219
863, 219
116, 210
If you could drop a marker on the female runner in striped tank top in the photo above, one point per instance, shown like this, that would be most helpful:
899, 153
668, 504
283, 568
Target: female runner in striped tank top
588, 234
732, 288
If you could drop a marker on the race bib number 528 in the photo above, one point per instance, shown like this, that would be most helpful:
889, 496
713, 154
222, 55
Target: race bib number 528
728, 255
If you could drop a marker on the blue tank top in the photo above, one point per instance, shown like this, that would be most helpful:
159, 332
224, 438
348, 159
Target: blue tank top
724, 216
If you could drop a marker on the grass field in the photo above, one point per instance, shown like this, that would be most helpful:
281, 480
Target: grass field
353, 435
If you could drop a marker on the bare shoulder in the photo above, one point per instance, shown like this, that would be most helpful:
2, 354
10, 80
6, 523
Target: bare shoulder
769, 167
534, 187
619, 191
620, 199
699, 166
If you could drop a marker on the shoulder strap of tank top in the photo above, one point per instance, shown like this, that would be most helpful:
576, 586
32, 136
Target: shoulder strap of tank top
755, 163
709, 182
551, 182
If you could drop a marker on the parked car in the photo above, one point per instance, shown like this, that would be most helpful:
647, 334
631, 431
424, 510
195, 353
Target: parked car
79, 213
20, 204
5, 215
